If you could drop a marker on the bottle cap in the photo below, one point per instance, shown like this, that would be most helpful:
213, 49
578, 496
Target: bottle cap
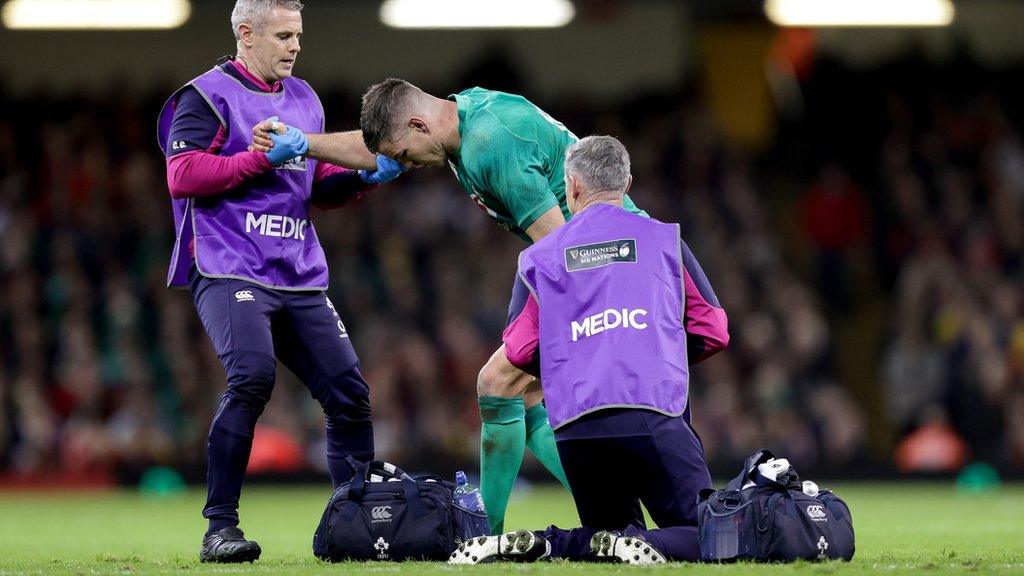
810, 488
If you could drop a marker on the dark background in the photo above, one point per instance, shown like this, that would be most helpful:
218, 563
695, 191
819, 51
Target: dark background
855, 195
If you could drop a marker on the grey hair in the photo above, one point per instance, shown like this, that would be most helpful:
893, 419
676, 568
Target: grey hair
599, 163
257, 12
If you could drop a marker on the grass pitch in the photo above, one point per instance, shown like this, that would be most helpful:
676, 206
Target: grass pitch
901, 529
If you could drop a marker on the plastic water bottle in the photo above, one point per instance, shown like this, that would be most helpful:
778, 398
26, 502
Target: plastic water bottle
466, 495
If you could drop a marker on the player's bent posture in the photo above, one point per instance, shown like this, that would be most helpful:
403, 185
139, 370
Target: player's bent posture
247, 250
615, 303
507, 154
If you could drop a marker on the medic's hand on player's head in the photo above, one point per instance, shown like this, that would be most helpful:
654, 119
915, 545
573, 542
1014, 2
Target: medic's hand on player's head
287, 146
261, 141
387, 170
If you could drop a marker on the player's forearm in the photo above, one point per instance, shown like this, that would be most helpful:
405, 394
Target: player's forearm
547, 223
344, 149
198, 174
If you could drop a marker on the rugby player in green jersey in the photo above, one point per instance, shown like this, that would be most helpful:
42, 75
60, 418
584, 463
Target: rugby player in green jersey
507, 155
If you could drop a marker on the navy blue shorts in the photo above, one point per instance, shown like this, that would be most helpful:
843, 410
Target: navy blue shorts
616, 458
250, 326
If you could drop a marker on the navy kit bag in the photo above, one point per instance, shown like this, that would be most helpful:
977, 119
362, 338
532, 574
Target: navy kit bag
760, 518
385, 514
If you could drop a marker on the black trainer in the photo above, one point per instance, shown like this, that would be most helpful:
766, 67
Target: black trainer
228, 545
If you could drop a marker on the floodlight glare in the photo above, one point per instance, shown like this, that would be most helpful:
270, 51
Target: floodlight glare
825, 13
477, 13
95, 14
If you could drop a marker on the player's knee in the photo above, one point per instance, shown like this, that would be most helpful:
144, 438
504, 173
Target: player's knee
250, 377
533, 395
495, 380
347, 411
345, 399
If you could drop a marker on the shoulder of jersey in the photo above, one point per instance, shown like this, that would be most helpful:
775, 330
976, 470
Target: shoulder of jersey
481, 129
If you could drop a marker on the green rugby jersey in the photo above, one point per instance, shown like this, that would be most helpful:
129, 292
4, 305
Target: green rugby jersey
511, 158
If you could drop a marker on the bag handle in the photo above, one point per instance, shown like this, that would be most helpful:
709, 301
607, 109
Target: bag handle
379, 467
750, 472
364, 471
357, 486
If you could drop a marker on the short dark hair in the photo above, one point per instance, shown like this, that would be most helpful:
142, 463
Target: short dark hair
382, 103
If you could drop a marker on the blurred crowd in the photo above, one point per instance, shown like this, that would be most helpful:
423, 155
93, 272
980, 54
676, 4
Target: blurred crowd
951, 232
103, 368
925, 224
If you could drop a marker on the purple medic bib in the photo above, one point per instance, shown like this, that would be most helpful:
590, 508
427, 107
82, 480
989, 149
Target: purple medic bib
261, 231
609, 287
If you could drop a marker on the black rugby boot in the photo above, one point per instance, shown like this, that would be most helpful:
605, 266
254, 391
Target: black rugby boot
228, 545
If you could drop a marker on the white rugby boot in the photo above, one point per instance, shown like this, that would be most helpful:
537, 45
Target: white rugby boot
518, 546
615, 547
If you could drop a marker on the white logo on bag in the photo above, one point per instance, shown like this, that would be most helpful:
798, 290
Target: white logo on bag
381, 514
822, 546
817, 513
382, 548
244, 296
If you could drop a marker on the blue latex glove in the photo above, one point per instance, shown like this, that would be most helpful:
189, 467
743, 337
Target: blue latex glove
387, 170
287, 146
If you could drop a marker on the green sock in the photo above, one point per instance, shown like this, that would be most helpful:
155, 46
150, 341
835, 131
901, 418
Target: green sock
502, 444
540, 439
